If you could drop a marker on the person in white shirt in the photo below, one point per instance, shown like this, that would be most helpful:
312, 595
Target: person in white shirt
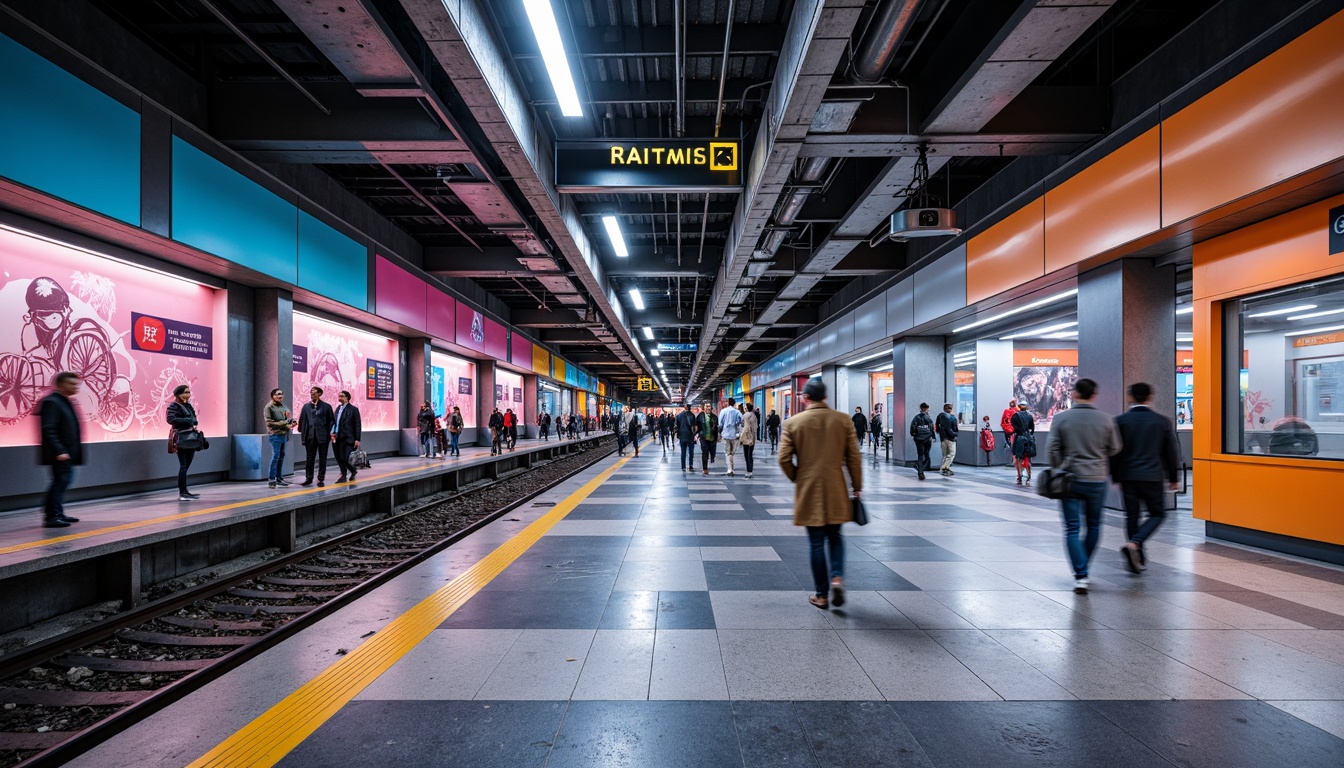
730, 430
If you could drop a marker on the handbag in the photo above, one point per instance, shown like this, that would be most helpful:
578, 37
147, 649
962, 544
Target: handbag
190, 440
359, 459
1055, 482
1029, 445
860, 514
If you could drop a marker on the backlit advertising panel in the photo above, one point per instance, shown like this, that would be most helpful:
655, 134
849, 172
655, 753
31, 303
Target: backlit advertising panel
133, 335
478, 332
509, 393
336, 357
452, 382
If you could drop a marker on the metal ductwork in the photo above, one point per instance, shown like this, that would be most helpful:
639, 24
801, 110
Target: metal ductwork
890, 24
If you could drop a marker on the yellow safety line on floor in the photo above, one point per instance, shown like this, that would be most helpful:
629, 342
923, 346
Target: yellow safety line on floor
180, 516
267, 739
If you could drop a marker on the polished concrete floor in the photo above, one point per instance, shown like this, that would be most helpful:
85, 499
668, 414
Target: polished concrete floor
664, 622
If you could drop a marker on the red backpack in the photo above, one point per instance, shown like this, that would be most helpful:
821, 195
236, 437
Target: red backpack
986, 439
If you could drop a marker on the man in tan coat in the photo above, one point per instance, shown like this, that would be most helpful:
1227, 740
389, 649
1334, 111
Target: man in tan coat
824, 442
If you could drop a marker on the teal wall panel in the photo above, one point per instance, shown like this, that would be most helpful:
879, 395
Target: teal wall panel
218, 210
332, 264
66, 138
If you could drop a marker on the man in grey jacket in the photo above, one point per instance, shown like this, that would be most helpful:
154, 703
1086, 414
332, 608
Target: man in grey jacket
1082, 441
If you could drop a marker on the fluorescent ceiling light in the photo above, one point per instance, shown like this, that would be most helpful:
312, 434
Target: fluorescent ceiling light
1018, 311
865, 359
648, 333
1064, 335
1038, 331
614, 235
1310, 331
886, 367
660, 363
963, 356
655, 353
1185, 337
1185, 311
1287, 311
1317, 314
547, 32
637, 299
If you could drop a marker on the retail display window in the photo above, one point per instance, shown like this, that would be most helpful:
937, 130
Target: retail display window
453, 383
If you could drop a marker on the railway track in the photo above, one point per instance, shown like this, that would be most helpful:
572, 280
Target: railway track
65, 695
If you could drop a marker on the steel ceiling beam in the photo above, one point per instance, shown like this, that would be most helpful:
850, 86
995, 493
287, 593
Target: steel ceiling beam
702, 40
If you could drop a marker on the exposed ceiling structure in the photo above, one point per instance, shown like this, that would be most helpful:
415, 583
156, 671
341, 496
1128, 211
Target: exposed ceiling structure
442, 117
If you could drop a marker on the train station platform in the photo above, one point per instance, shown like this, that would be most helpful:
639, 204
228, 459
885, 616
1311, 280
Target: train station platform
640, 616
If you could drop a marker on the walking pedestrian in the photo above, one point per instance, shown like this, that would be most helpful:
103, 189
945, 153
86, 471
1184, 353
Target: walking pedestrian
632, 429
279, 423
946, 426
750, 423
687, 425
315, 423
1006, 422
730, 431
182, 418
818, 444
922, 432
62, 445
709, 438
1148, 455
424, 424
346, 432
874, 429
772, 430
1022, 429
544, 425
496, 426
860, 424
510, 428
1082, 442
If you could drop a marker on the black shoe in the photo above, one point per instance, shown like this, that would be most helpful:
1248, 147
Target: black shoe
271, 484
320, 483
340, 479
55, 522
68, 519
352, 475
1131, 554
281, 481
191, 495
921, 475
307, 482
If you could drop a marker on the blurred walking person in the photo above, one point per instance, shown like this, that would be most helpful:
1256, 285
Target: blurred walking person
62, 445
817, 445
1148, 455
946, 426
860, 425
772, 430
750, 423
1082, 441
687, 425
730, 431
708, 435
1022, 430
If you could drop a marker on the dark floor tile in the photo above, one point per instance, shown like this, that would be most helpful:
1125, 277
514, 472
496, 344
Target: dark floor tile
630, 610
665, 541
606, 512
579, 545
770, 735
529, 609
868, 575
1224, 734
647, 734
731, 541
889, 541
801, 552
670, 512
1106, 564
750, 575
950, 512
1287, 609
926, 554
859, 734
1026, 734
533, 571
685, 610
460, 734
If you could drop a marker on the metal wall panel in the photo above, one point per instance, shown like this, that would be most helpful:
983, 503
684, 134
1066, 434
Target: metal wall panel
900, 307
844, 339
942, 287
870, 321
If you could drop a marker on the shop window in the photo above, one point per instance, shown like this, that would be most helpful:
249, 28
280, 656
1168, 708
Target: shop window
1286, 362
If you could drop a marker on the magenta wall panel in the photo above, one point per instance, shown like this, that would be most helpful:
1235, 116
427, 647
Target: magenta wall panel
522, 351
400, 296
475, 331
442, 316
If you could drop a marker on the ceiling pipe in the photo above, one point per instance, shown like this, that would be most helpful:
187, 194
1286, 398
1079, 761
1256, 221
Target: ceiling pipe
266, 57
723, 75
891, 23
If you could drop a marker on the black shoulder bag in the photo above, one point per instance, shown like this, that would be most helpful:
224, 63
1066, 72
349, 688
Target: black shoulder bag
1056, 482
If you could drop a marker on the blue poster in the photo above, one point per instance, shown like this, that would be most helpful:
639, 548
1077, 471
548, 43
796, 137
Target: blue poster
436, 389
463, 386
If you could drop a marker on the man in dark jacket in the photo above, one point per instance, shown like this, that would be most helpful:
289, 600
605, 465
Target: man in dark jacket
1148, 455
347, 431
772, 430
496, 426
315, 422
62, 445
860, 425
946, 426
922, 432
687, 426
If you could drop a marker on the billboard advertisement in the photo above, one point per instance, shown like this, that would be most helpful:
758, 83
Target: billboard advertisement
452, 382
1042, 378
335, 357
509, 393
133, 334
478, 332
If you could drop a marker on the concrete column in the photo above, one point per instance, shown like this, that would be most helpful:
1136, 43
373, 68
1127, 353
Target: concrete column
1127, 331
830, 376
993, 390
533, 407
242, 374
156, 169
416, 389
918, 375
272, 352
485, 399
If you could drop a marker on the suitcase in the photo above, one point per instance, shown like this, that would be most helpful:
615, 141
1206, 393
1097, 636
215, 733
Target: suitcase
359, 459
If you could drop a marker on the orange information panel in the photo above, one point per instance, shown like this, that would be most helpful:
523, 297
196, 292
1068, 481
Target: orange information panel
1044, 357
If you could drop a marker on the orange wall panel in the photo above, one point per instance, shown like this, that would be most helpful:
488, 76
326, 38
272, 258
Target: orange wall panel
1007, 254
1116, 200
1301, 501
1285, 249
1281, 117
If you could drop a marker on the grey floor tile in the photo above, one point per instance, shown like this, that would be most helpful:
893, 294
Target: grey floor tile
1326, 715
651, 734
553, 609
600, 509
1014, 734
448, 664
456, 734
952, 576
924, 611
1228, 612
630, 610
1255, 665
792, 664
907, 665
860, 733
1132, 610
618, 666
542, 664
624, 528
660, 576
1287, 609
864, 609
1224, 734
685, 610
1171, 677
766, 609
1013, 610
725, 528
748, 575
738, 553
687, 665
1084, 675
661, 554
1002, 670
770, 734
1327, 644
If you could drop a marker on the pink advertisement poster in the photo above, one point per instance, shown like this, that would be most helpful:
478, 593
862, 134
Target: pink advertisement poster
133, 335
478, 332
509, 393
336, 357
453, 383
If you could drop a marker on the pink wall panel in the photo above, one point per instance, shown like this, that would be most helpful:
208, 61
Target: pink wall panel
522, 351
400, 296
475, 331
442, 316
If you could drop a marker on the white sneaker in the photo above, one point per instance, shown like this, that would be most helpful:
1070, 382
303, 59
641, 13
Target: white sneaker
1080, 586
748, 475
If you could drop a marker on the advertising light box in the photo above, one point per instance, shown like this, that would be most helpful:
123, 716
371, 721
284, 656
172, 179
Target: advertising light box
662, 165
336, 357
509, 393
453, 383
133, 335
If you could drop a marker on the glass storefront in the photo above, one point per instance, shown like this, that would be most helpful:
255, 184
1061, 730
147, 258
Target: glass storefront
509, 393
453, 383
1287, 365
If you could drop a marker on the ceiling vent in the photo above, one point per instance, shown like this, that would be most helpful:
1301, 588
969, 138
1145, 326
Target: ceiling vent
924, 222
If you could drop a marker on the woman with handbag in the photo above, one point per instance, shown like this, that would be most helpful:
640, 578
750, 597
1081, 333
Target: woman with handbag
1024, 441
184, 439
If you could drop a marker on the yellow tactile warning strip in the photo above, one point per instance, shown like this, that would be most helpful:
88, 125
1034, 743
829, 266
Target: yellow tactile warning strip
180, 516
267, 739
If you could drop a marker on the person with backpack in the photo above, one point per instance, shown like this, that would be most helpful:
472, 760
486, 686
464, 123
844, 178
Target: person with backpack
455, 426
496, 425
860, 424
1023, 430
946, 426
772, 430
922, 431
1006, 422
709, 438
874, 430
424, 425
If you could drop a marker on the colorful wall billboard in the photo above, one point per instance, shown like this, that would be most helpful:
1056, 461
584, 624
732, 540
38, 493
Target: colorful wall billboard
478, 332
509, 393
336, 357
133, 334
452, 382
1042, 378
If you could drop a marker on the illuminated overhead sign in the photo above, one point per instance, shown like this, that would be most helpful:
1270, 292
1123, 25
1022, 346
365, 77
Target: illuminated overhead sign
665, 165
645, 384
676, 347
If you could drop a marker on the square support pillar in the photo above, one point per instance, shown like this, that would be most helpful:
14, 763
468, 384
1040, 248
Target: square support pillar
918, 375
1127, 332
485, 399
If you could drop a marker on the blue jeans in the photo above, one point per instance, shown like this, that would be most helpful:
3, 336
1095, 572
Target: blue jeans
452, 443
428, 445
688, 454
1089, 496
818, 536
278, 445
